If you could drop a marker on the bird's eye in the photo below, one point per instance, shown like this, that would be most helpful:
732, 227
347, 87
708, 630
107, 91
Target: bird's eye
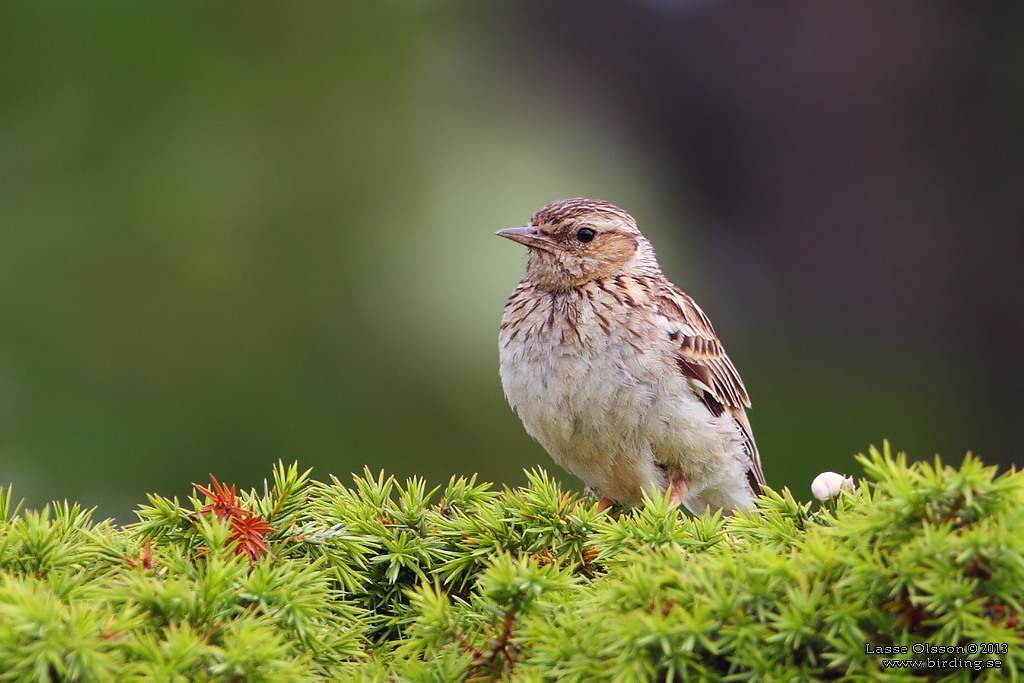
585, 234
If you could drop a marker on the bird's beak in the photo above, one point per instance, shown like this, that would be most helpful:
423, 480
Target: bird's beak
531, 237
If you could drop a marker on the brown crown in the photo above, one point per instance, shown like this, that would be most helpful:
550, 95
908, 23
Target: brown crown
568, 209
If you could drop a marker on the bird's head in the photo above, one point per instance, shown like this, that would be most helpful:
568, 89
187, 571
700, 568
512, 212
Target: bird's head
574, 241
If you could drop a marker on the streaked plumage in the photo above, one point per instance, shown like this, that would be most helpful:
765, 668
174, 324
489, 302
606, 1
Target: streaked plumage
617, 372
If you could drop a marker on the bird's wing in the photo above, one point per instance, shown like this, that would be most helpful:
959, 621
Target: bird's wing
702, 360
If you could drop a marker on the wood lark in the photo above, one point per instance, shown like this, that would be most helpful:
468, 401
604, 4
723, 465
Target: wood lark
617, 372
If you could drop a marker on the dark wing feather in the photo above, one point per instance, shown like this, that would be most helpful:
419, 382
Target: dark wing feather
702, 360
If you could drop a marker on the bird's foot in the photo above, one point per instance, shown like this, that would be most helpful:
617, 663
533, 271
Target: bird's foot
677, 491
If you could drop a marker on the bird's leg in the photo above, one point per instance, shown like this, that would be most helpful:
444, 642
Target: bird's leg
679, 489
604, 503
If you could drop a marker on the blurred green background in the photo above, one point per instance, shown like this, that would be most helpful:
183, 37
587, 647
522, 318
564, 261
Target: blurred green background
236, 233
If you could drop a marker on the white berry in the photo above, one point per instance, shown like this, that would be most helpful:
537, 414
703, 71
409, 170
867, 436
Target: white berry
828, 484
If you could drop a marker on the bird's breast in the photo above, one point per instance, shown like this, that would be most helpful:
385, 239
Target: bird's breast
572, 361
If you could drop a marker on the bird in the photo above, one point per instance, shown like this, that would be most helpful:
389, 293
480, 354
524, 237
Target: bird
617, 372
